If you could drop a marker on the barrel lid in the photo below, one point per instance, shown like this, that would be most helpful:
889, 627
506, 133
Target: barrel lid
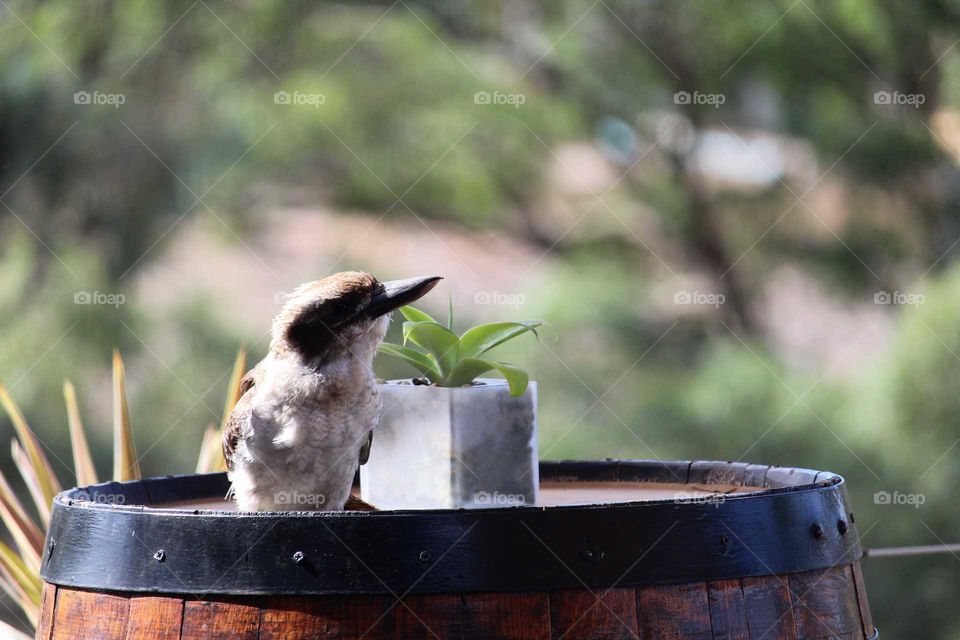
110, 537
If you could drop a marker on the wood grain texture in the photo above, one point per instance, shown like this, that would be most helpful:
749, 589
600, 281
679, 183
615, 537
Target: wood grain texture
825, 604
769, 609
154, 618
728, 617
48, 600
674, 612
295, 617
861, 590
602, 615
204, 619
506, 616
87, 614
430, 617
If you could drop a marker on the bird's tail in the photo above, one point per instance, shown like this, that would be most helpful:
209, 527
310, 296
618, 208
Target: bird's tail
356, 504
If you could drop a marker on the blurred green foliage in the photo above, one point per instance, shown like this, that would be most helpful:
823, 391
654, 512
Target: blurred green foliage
91, 196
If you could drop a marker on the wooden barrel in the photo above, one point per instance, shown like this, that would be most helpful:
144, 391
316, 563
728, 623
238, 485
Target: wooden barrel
616, 549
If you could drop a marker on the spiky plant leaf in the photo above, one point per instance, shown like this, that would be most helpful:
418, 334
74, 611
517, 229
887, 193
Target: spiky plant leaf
22, 585
211, 452
20, 570
22, 462
46, 480
126, 466
82, 460
210, 459
26, 579
25, 533
233, 387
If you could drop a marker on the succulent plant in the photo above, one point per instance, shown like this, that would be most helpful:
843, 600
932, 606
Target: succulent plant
448, 360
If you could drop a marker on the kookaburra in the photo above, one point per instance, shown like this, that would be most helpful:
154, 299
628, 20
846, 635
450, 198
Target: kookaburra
307, 411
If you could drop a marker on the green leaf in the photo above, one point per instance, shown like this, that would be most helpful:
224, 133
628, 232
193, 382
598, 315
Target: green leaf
450, 313
421, 361
468, 369
478, 340
516, 377
415, 315
437, 340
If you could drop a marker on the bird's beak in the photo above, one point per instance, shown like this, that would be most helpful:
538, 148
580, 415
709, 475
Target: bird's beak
397, 293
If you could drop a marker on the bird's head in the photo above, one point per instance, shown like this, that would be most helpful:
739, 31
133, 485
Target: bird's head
343, 315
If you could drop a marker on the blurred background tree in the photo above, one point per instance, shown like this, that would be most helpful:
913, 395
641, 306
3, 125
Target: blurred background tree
740, 217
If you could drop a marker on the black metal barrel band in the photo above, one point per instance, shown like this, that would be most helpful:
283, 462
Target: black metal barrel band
106, 537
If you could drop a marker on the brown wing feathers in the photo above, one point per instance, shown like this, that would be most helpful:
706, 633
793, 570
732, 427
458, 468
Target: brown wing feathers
232, 430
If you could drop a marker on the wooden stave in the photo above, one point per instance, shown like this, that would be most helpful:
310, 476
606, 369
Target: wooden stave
805, 606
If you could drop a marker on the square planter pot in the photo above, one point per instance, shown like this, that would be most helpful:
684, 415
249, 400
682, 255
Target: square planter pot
453, 447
